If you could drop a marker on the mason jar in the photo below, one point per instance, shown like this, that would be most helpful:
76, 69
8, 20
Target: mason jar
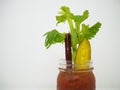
72, 78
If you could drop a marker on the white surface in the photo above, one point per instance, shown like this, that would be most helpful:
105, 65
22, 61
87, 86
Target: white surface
24, 61
52, 89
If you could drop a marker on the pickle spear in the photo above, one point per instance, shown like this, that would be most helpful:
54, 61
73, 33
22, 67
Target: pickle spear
83, 55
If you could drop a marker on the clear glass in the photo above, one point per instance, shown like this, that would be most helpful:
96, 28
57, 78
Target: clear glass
72, 78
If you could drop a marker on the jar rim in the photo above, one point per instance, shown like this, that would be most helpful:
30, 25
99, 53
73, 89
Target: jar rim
75, 70
69, 65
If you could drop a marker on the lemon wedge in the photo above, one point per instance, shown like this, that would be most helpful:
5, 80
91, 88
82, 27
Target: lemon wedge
83, 55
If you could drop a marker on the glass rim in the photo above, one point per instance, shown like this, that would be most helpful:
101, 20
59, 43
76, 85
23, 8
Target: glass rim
69, 65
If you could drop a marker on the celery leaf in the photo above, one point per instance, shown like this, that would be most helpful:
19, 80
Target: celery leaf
53, 37
90, 32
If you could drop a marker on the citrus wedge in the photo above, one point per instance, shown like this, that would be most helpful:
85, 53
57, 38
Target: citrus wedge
83, 55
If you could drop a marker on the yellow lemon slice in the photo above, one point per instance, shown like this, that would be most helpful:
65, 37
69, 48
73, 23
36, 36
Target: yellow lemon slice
83, 55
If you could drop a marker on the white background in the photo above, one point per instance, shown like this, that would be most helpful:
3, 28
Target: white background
26, 63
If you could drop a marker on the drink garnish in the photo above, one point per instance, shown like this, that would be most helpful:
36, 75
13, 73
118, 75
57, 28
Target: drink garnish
80, 34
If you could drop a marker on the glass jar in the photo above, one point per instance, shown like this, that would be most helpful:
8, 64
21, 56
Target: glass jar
72, 78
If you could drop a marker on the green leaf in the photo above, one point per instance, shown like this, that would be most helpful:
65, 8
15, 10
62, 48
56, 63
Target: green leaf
80, 18
60, 19
64, 15
65, 10
53, 37
90, 32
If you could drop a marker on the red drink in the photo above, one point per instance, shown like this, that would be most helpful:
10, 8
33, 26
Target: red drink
70, 79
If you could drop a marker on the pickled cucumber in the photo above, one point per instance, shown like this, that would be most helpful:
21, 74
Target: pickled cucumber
83, 55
